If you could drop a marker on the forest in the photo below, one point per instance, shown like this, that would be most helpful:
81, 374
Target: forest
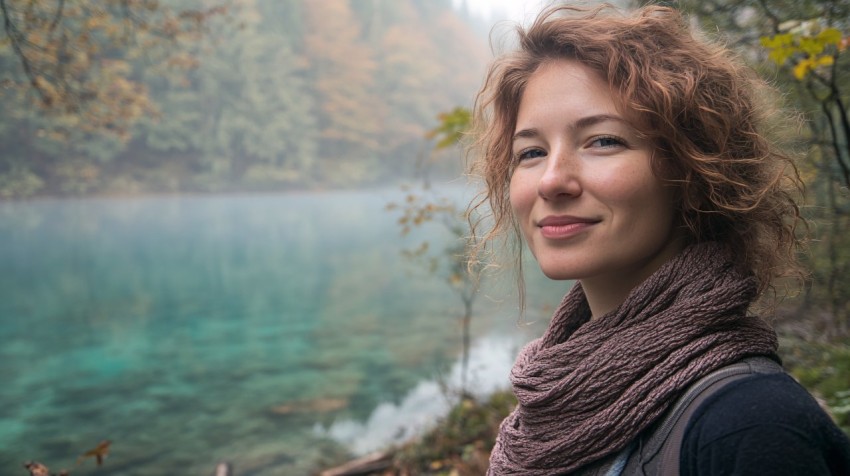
127, 97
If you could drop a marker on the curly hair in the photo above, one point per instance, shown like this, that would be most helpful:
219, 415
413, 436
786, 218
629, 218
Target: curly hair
703, 110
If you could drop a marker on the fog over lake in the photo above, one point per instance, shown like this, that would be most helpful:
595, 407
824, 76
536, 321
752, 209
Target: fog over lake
272, 331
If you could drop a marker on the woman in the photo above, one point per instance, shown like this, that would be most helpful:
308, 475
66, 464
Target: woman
630, 157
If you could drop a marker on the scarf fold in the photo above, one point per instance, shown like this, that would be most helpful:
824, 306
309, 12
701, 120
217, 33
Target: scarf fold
588, 388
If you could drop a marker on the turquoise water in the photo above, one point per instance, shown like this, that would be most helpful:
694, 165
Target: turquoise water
277, 332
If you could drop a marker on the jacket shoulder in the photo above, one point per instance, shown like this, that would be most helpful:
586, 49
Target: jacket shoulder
763, 424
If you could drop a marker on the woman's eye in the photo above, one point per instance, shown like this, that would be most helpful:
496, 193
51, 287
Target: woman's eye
606, 142
530, 154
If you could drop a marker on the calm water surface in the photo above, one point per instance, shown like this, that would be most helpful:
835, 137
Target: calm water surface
276, 332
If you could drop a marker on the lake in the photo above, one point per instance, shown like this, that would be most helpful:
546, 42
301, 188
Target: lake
277, 332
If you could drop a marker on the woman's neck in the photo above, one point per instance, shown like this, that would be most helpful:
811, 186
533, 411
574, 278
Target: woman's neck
602, 299
606, 292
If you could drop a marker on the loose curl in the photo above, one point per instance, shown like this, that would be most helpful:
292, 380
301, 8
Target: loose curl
704, 111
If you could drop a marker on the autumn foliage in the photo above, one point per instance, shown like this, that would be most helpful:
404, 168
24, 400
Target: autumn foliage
140, 96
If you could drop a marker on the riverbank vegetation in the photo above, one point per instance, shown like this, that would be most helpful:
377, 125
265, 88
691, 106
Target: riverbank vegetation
460, 443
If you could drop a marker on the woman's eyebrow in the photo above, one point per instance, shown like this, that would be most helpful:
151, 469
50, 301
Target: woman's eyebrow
582, 123
596, 119
525, 134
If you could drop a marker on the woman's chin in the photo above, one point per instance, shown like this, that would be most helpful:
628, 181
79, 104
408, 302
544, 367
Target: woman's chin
557, 274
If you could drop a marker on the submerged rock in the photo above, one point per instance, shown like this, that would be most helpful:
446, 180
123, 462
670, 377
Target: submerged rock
320, 405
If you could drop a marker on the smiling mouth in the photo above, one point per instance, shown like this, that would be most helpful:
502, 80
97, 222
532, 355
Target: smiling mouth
564, 227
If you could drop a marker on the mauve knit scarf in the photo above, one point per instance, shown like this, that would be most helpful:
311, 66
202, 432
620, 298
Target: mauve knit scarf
588, 388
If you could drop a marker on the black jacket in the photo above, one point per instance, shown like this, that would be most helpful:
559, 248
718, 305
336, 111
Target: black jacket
763, 425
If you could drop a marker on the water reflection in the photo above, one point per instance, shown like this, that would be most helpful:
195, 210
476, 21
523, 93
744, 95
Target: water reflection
175, 326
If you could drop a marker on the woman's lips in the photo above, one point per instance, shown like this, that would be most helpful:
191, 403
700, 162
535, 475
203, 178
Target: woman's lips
561, 227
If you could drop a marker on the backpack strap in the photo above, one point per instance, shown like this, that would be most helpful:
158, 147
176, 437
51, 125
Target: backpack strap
659, 451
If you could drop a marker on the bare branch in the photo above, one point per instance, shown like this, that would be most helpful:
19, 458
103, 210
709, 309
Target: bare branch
845, 170
774, 20
57, 17
15, 37
845, 127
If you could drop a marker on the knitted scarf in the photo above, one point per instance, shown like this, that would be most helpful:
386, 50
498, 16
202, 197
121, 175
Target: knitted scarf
588, 388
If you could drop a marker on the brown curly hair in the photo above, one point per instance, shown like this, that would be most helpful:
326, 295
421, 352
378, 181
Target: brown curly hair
704, 111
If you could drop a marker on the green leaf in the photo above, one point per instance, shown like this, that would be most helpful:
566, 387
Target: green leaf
780, 47
830, 36
777, 41
453, 126
811, 46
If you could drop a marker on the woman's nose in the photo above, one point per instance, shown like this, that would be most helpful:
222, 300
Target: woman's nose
560, 177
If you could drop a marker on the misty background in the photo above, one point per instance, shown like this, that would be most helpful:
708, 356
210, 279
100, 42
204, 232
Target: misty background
272, 95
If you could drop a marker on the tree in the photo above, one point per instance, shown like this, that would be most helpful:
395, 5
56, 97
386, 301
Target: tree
245, 113
342, 70
452, 263
175, 95
74, 55
801, 47
809, 50
70, 81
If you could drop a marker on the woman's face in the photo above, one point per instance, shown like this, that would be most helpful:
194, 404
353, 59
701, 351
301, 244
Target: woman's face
583, 190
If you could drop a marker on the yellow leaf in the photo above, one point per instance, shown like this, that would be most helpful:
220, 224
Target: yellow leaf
830, 36
811, 46
802, 69
777, 41
826, 60
780, 47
